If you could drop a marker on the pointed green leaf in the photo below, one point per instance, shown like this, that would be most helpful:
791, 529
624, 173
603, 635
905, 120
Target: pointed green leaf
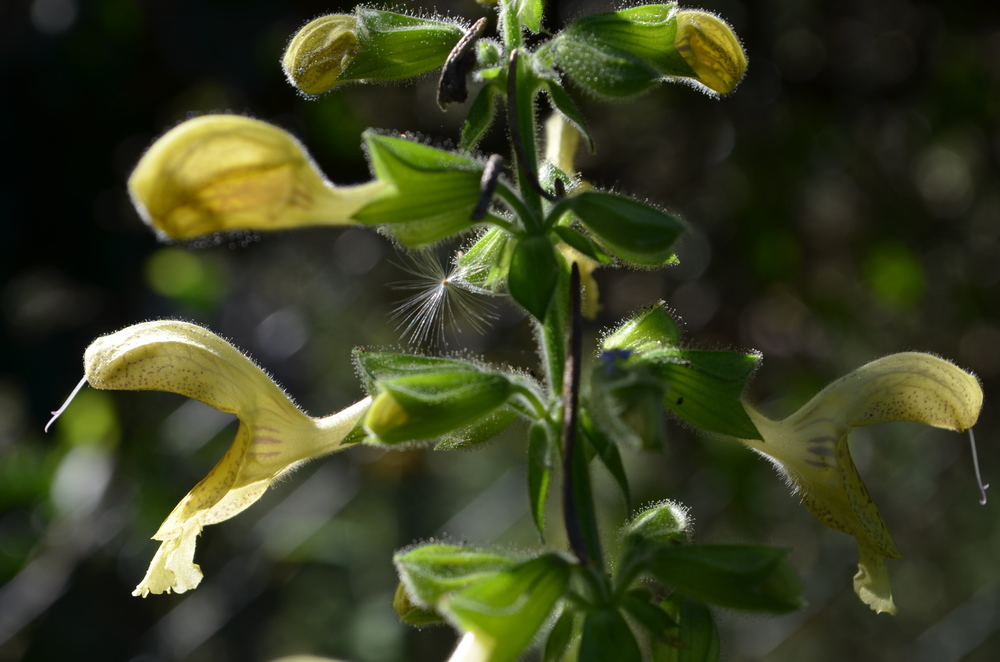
530, 14
480, 117
563, 103
541, 458
487, 262
606, 635
581, 243
694, 639
734, 576
608, 453
559, 638
653, 328
639, 604
373, 366
633, 231
534, 274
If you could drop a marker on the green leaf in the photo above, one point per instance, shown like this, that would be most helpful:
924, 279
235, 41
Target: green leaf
541, 454
480, 117
530, 14
706, 388
625, 401
607, 452
664, 523
396, 46
635, 232
694, 639
564, 104
581, 243
534, 274
606, 635
559, 638
653, 328
505, 611
424, 406
638, 603
374, 366
734, 576
487, 262
584, 498
432, 194
429, 572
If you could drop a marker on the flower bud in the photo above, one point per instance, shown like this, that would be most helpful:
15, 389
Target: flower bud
712, 50
219, 173
320, 51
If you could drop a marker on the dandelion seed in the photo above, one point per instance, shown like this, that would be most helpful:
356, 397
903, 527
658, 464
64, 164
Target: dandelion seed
440, 297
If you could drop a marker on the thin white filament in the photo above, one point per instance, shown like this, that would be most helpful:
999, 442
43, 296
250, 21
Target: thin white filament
439, 297
57, 412
975, 463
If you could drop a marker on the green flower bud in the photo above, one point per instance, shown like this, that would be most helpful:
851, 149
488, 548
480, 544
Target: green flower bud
711, 48
425, 406
320, 51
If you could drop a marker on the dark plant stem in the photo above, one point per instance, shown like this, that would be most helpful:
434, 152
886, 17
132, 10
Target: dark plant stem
571, 399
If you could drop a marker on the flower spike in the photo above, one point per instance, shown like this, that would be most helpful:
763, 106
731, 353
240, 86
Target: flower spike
273, 437
810, 447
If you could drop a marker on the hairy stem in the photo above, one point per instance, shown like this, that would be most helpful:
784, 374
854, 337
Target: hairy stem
571, 400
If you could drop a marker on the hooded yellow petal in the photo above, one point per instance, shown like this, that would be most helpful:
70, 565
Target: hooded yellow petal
273, 435
810, 447
220, 173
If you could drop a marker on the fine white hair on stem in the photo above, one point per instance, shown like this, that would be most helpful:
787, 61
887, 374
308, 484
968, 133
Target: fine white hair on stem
439, 296
57, 412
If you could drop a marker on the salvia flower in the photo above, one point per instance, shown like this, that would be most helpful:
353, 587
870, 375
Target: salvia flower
810, 447
274, 435
223, 173
711, 49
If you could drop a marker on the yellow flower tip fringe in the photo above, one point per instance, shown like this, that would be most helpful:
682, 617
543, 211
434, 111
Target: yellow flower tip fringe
810, 447
273, 435
224, 173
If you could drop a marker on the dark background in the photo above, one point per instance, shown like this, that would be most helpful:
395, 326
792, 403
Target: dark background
845, 206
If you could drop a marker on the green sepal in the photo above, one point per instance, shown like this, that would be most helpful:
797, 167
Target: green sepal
599, 69
557, 643
706, 387
653, 328
694, 639
481, 431
431, 571
480, 117
375, 366
631, 230
736, 576
646, 32
638, 603
357, 434
564, 104
506, 611
534, 274
487, 262
582, 243
664, 523
411, 613
529, 12
541, 459
396, 46
432, 194
421, 407
607, 452
607, 635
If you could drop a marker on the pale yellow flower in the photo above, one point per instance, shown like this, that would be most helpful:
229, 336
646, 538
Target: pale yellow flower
711, 49
274, 435
810, 447
221, 173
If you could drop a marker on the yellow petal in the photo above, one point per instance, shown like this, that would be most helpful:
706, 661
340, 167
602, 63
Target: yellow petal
711, 48
220, 173
811, 447
320, 51
273, 435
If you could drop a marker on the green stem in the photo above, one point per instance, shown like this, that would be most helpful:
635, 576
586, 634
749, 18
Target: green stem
529, 220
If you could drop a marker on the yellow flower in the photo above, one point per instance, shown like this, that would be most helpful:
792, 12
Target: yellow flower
711, 49
274, 435
320, 51
810, 447
220, 173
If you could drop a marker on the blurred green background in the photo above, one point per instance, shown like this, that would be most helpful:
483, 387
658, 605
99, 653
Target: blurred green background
845, 205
